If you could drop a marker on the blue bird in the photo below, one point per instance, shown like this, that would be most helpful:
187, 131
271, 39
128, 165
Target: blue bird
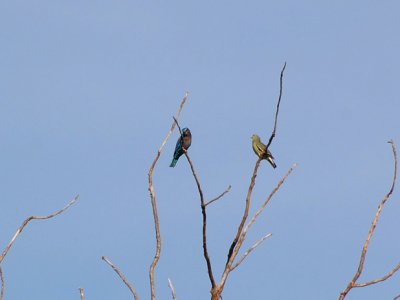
184, 142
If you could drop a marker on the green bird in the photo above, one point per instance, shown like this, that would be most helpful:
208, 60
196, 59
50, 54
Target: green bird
261, 150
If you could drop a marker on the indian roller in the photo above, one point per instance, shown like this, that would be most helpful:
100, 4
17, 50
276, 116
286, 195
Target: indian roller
261, 150
184, 142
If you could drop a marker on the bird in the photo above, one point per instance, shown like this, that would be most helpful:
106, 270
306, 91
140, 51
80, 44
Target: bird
261, 150
184, 142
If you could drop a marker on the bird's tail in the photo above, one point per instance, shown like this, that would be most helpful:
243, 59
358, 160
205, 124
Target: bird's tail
271, 161
173, 163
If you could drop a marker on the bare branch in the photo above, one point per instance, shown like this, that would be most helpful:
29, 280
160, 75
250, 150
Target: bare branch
172, 289
246, 210
130, 287
245, 214
203, 212
2, 283
394, 270
236, 243
353, 283
154, 203
3, 255
81, 293
397, 297
277, 106
228, 267
179, 127
256, 244
220, 196
262, 207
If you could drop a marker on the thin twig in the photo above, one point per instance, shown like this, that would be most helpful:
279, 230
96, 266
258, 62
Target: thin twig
154, 203
172, 289
81, 293
3, 255
277, 106
397, 297
2, 283
256, 244
130, 287
203, 212
353, 283
220, 196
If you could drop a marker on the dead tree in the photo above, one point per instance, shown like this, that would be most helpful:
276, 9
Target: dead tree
235, 247
237, 243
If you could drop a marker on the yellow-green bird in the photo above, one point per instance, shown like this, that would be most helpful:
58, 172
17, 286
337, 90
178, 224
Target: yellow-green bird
261, 150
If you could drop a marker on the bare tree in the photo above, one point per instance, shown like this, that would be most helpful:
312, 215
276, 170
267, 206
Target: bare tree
217, 288
231, 264
244, 225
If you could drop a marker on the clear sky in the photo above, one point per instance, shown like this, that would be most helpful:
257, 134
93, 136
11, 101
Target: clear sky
87, 92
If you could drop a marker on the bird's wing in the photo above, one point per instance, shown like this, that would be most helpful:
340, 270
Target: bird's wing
261, 147
178, 146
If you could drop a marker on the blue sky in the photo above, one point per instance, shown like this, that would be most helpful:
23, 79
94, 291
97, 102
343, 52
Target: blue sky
87, 92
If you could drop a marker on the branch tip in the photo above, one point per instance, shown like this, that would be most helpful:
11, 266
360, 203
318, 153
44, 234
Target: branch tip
81, 293
220, 196
123, 278
170, 285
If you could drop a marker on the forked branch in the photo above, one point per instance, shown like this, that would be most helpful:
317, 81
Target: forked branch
253, 178
229, 266
262, 207
257, 214
245, 215
239, 237
353, 282
203, 212
154, 203
256, 244
389, 274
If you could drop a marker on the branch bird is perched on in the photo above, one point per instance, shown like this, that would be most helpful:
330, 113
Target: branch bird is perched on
261, 150
184, 142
